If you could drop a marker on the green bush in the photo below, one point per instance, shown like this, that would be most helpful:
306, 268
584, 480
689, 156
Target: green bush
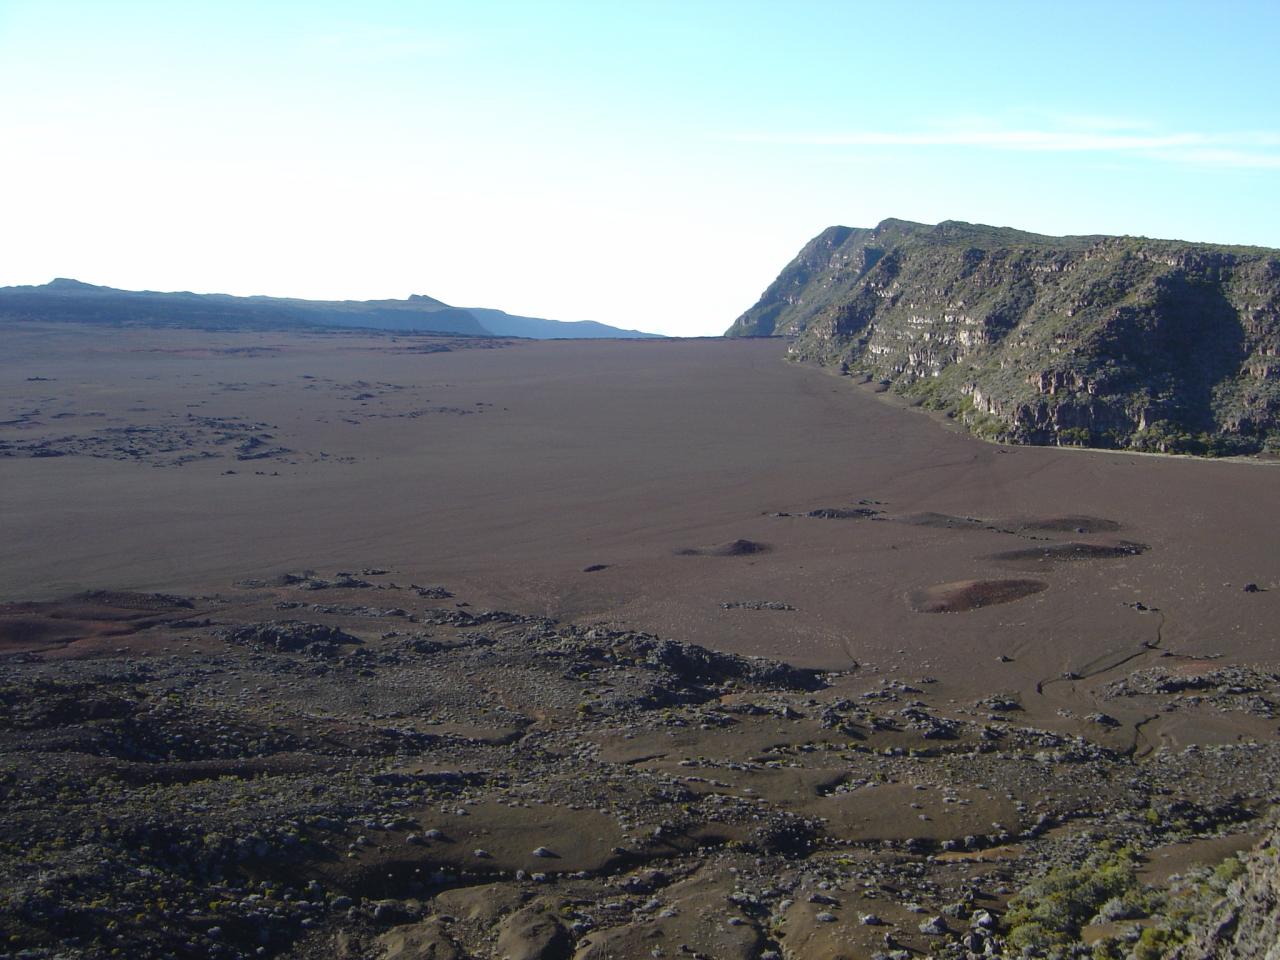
1074, 437
1227, 871
1051, 910
1156, 942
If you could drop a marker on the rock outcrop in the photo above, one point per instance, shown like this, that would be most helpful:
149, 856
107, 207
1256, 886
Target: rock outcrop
1103, 341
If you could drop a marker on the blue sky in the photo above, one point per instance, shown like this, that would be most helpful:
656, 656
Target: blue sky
651, 165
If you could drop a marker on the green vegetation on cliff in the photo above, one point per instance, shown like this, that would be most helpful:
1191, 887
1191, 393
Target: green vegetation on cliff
1102, 341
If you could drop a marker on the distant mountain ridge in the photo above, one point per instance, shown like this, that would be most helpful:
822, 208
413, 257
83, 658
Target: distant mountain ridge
511, 325
1120, 342
65, 300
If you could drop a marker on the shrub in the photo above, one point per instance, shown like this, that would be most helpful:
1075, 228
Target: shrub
1051, 910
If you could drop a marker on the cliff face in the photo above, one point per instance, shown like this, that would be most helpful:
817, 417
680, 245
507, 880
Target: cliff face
1105, 341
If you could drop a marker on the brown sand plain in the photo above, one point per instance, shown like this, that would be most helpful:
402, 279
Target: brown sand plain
504, 470
1021, 645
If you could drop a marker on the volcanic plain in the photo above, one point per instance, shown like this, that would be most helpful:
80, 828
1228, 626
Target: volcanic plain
363, 645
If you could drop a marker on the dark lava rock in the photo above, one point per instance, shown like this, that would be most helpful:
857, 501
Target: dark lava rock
694, 664
288, 635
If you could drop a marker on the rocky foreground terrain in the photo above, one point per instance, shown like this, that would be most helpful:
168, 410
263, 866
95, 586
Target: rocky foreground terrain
344, 764
1103, 341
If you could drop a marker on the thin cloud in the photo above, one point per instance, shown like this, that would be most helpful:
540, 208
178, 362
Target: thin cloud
1219, 157
1068, 141
1244, 149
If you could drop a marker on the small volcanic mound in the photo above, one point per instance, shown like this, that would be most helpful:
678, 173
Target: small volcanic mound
1072, 524
961, 596
939, 520
841, 513
734, 548
1072, 551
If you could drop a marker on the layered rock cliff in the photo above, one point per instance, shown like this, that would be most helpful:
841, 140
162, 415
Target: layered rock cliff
1106, 341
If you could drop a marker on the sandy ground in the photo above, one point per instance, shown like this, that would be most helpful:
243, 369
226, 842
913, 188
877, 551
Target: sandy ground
506, 471
1026, 649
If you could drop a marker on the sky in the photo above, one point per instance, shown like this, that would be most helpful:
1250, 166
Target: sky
651, 165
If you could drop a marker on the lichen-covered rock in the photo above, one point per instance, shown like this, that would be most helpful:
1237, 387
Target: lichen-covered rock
289, 635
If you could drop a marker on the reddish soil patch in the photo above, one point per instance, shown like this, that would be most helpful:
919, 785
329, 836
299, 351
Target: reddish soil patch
964, 595
30, 627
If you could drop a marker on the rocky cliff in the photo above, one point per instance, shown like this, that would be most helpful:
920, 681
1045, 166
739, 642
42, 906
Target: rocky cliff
1105, 341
